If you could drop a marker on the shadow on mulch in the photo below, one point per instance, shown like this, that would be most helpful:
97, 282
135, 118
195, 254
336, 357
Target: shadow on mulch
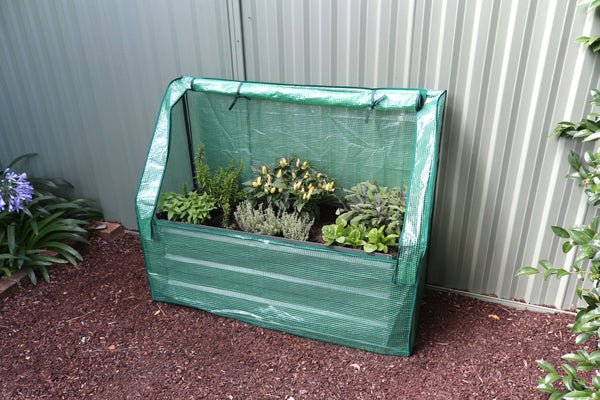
94, 332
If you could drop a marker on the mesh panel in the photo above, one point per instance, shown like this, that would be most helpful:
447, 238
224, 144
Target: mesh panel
335, 140
339, 296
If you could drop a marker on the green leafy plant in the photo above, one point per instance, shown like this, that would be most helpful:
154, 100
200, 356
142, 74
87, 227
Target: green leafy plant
267, 222
289, 185
569, 382
222, 186
37, 220
371, 218
374, 206
190, 207
358, 236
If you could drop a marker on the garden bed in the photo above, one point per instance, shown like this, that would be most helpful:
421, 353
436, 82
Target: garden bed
95, 332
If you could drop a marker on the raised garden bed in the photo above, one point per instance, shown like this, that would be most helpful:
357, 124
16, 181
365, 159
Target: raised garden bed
331, 294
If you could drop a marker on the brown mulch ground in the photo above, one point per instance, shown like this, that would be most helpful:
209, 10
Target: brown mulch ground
94, 332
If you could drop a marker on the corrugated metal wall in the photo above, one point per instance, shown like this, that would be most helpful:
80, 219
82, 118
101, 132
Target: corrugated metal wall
81, 82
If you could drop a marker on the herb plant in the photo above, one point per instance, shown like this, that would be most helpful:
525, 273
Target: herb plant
371, 219
190, 207
257, 220
581, 381
374, 206
290, 184
295, 226
267, 222
358, 236
222, 186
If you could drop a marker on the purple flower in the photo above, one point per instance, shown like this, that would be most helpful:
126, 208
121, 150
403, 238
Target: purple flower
15, 191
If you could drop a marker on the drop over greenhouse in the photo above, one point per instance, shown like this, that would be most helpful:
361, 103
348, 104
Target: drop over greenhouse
291, 145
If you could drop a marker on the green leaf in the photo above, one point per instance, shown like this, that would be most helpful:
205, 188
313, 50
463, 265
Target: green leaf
11, 238
527, 271
545, 365
369, 247
44, 273
585, 367
566, 247
578, 394
570, 370
551, 377
560, 232
545, 387
592, 137
24, 156
573, 159
31, 275
574, 357
561, 272
545, 264
595, 356
557, 395
580, 237
582, 338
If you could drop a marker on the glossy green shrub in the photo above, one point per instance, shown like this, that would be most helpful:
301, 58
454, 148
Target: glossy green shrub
579, 377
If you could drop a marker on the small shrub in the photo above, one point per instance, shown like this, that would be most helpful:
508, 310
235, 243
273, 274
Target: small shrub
295, 226
290, 185
267, 222
257, 220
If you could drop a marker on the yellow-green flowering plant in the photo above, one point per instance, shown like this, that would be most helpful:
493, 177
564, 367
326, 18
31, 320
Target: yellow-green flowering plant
290, 184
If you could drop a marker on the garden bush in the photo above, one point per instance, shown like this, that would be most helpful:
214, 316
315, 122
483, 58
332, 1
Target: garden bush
581, 380
36, 217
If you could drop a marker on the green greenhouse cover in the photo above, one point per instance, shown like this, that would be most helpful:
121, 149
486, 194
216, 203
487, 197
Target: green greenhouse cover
355, 134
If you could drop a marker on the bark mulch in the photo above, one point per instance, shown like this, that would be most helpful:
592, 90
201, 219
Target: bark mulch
94, 332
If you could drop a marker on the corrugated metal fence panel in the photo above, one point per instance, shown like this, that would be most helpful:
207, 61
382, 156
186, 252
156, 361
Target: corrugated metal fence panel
512, 71
81, 84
